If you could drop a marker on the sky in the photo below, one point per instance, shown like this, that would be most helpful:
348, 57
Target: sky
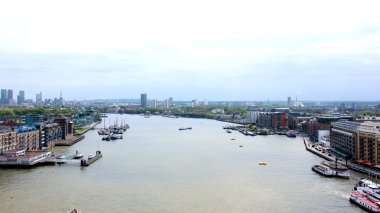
199, 49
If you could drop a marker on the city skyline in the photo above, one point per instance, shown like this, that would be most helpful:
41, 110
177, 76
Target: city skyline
244, 51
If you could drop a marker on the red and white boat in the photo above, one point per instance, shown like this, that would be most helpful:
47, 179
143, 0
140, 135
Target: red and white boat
363, 201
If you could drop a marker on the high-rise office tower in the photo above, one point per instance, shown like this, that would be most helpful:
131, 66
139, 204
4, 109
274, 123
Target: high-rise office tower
143, 100
39, 98
10, 95
289, 101
170, 101
21, 97
4, 98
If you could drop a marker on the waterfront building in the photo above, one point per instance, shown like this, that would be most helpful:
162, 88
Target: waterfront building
166, 103
272, 120
252, 116
7, 139
21, 97
85, 117
67, 127
323, 122
33, 118
3, 99
217, 111
143, 100
50, 133
324, 138
27, 137
295, 122
343, 135
367, 143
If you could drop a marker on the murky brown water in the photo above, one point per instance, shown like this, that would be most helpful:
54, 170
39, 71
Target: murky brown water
157, 168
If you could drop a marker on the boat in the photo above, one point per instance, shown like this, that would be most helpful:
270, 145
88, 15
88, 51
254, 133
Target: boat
90, 156
263, 132
78, 155
291, 134
61, 159
262, 163
187, 128
240, 145
115, 137
366, 194
229, 131
232, 139
330, 169
364, 202
251, 133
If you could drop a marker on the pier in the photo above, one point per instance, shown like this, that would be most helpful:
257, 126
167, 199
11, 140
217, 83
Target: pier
89, 161
350, 165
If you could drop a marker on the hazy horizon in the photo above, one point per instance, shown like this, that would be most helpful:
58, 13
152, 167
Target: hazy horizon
215, 50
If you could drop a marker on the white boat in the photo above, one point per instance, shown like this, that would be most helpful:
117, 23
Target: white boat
366, 194
329, 169
78, 155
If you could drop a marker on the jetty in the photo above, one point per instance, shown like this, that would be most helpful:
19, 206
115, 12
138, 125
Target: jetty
69, 142
90, 160
355, 167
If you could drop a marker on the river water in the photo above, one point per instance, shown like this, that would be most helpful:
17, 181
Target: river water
157, 168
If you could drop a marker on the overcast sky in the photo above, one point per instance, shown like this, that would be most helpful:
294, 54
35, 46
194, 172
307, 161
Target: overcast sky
215, 50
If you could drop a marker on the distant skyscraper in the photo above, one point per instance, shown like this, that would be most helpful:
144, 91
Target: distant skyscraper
10, 96
21, 97
154, 103
166, 104
143, 100
4, 98
39, 98
170, 101
289, 101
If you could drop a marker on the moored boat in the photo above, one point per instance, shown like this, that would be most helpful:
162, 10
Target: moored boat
78, 155
329, 169
364, 202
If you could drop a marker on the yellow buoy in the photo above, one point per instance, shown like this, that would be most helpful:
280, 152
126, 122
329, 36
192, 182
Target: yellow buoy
262, 163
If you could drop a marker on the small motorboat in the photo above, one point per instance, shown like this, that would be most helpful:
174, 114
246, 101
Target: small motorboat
240, 145
229, 131
232, 139
262, 163
78, 155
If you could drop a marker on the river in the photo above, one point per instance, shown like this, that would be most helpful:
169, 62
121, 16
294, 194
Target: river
157, 168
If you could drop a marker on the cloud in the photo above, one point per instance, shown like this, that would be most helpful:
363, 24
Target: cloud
208, 49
